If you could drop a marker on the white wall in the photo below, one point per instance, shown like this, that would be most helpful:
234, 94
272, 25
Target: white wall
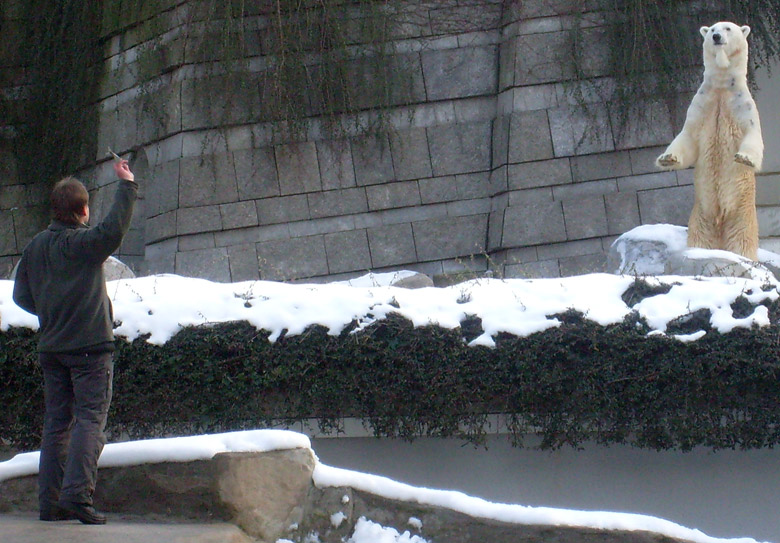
724, 494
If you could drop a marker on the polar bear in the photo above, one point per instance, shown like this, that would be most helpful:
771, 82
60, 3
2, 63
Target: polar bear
722, 139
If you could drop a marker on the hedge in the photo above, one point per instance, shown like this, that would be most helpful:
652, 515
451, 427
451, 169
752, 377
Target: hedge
571, 384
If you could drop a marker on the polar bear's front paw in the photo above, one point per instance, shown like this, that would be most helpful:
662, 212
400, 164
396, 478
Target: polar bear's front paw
742, 158
667, 160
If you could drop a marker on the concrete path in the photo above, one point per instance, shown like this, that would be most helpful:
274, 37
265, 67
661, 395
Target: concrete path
26, 528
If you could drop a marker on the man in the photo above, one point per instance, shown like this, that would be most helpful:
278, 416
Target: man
60, 279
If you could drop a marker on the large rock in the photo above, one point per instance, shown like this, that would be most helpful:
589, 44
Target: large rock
661, 249
271, 497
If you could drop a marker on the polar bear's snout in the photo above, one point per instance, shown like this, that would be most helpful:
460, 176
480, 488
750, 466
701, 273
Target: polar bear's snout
717, 39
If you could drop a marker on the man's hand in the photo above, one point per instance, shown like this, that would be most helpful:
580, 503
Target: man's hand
122, 169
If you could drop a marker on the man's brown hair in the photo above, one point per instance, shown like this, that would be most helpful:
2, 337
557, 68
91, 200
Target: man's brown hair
68, 198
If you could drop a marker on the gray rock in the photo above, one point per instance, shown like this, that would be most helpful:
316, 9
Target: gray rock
113, 269
418, 280
662, 250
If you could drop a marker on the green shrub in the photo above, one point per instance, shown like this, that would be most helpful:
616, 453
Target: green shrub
571, 384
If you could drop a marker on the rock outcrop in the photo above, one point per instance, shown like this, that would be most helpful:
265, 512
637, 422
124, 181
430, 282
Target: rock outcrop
271, 497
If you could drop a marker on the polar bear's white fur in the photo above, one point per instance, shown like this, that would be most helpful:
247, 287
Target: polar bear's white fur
721, 137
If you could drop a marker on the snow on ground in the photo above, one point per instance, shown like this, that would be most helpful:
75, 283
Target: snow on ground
160, 305
182, 449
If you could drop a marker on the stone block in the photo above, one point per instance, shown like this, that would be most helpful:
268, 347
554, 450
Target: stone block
534, 97
477, 206
533, 224
622, 212
529, 136
544, 173
600, 166
473, 185
460, 148
283, 209
336, 168
13, 196
196, 241
373, 160
500, 140
327, 225
391, 245
522, 198
238, 215
768, 221
768, 190
671, 205
333, 203
450, 237
207, 180
532, 270
495, 229
242, 236
684, 177
160, 258
568, 249
161, 227
194, 220
298, 168
585, 189
8, 238
438, 189
543, 58
499, 180
296, 258
585, 217
647, 123
243, 263
393, 195
583, 264
460, 72
211, 264
643, 160
256, 174
657, 180
576, 131
595, 59
411, 157
506, 64
347, 251
162, 189
9, 174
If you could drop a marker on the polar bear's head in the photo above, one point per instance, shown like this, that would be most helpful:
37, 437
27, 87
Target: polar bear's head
725, 44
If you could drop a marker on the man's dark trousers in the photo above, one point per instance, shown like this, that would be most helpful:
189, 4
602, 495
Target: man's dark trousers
77, 391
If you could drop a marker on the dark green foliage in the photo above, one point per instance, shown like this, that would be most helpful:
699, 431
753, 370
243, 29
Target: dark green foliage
575, 383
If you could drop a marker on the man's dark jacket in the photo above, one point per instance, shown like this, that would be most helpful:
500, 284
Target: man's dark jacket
60, 279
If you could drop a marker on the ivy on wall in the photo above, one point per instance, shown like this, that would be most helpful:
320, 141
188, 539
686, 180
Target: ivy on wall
572, 385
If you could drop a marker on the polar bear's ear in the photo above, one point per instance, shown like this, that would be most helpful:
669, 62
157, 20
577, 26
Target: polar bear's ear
745, 30
703, 31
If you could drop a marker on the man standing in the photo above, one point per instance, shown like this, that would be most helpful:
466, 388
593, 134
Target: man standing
60, 279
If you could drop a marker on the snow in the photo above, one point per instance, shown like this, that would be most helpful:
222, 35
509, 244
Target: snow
161, 305
157, 307
182, 449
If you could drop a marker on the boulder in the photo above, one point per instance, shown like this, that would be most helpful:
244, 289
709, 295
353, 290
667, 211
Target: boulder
662, 249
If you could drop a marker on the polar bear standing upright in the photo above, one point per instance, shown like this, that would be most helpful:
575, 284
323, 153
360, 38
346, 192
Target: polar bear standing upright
721, 137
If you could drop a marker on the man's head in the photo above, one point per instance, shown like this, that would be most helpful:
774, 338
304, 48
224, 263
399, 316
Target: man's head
70, 201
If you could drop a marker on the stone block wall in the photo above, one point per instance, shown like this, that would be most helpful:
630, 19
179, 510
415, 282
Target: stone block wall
503, 161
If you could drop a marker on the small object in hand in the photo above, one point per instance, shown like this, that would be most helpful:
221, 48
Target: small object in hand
116, 156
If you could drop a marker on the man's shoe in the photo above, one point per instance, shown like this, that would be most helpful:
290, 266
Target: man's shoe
55, 513
84, 512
